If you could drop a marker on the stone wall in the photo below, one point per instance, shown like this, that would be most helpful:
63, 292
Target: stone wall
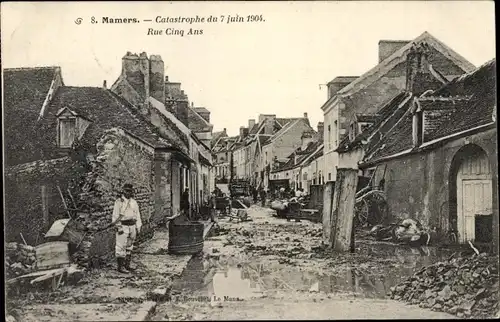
120, 159
418, 186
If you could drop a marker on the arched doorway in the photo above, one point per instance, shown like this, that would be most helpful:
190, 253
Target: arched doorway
471, 194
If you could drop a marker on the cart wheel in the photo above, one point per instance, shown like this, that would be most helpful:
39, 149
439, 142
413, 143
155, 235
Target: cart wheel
361, 214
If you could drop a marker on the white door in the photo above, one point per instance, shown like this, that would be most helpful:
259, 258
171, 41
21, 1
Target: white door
474, 194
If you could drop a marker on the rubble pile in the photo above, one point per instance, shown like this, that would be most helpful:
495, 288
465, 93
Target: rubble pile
20, 259
466, 287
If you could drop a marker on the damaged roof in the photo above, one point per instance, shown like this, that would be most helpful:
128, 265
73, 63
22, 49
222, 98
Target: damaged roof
105, 110
465, 103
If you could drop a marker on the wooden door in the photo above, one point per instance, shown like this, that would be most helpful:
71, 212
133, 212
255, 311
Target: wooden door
474, 194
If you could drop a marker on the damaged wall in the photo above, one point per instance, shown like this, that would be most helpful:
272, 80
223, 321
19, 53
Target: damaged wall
120, 159
418, 185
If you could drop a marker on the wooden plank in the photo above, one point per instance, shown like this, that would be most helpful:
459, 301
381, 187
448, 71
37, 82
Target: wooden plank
47, 276
327, 209
52, 254
343, 209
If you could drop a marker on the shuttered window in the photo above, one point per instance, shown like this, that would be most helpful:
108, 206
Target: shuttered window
67, 132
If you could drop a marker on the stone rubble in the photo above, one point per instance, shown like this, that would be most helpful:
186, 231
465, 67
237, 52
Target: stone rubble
20, 259
466, 287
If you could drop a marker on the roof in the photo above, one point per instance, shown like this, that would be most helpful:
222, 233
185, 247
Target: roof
201, 110
284, 129
105, 110
24, 93
475, 91
398, 57
301, 157
343, 79
216, 136
366, 118
197, 123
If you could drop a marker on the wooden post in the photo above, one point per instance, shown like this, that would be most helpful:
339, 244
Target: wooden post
343, 209
327, 210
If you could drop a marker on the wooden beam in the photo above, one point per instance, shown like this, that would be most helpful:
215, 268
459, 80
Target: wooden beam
343, 210
327, 210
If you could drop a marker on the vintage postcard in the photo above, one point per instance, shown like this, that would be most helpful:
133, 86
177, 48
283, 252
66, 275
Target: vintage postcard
244, 160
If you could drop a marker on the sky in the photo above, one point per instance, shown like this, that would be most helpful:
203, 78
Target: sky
239, 70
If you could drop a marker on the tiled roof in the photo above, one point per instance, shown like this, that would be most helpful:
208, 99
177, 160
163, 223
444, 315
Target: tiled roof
301, 156
216, 136
105, 110
282, 130
24, 93
474, 96
197, 123
366, 118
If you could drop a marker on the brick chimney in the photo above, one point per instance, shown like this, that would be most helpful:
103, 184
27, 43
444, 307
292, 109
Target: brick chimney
418, 75
388, 47
157, 72
104, 85
321, 131
181, 108
135, 69
251, 123
243, 132
305, 115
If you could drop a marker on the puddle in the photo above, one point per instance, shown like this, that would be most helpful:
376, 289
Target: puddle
213, 277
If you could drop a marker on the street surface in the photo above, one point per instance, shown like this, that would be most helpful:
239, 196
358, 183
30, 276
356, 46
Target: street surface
269, 268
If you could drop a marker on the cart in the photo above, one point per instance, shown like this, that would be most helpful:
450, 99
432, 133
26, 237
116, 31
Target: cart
370, 209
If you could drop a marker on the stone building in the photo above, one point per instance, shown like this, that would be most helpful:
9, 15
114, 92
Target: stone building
351, 98
90, 141
433, 151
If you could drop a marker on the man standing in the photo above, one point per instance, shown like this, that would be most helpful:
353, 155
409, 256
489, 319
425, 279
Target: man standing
128, 222
185, 203
263, 196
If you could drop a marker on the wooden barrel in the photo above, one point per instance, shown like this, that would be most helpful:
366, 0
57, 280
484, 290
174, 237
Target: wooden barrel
185, 238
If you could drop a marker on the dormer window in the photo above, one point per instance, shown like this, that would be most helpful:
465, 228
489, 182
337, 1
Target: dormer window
67, 131
70, 126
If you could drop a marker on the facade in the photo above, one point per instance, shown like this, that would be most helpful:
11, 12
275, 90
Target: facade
144, 84
278, 147
437, 158
351, 99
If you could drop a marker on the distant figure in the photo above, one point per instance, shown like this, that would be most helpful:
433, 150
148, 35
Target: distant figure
282, 192
263, 197
255, 195
185, 203
212, 204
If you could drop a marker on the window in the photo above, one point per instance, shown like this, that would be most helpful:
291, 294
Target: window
329, 138
335, 133
67, 132
352, 131
329, 176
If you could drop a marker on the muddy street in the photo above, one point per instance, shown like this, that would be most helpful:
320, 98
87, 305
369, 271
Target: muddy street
273, 268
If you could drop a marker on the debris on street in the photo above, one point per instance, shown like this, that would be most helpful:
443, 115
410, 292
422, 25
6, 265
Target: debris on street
465, 287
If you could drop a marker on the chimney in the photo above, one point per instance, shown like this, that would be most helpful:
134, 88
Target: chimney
338, 83
251, 123
388, 47
104, 85
135, 70
156, 76
305, 115
417, 65
321, 131
181, 111
243, 132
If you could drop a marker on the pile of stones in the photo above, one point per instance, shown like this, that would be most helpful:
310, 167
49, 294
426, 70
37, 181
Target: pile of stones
465, 287
20, 259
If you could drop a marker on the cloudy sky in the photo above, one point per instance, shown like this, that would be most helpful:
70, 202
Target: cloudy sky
239, 70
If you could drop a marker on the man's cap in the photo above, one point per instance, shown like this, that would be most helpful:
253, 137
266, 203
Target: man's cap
128, 187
